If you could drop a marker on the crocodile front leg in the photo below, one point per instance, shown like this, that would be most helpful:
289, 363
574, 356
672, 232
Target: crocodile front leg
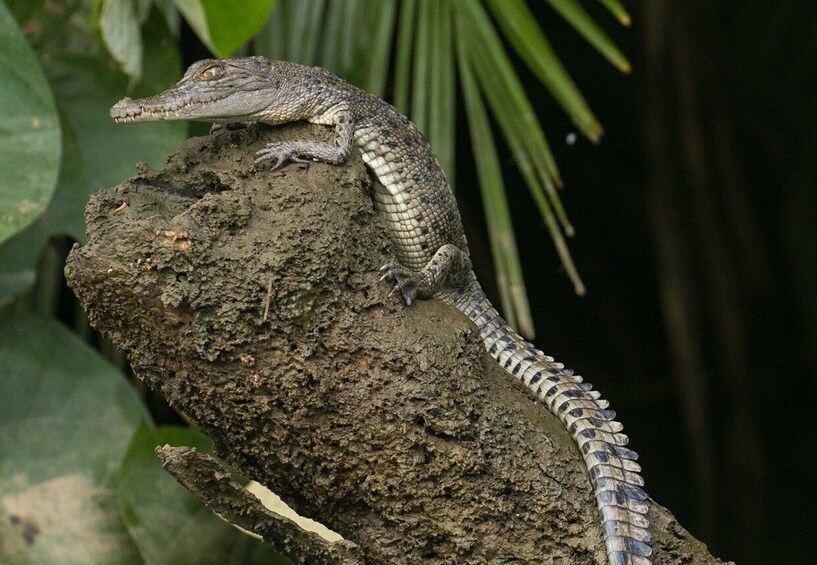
334, 153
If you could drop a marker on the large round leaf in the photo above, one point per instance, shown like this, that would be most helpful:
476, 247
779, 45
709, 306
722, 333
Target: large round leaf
29, 132
66, 417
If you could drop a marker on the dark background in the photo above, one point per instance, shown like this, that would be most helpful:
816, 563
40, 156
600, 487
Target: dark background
696, 221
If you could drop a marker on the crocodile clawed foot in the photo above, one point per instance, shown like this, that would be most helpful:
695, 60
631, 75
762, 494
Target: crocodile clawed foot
405, 281
278, 154
267, 155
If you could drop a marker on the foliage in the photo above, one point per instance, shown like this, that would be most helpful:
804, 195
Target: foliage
31, 136
75, 438
61, 497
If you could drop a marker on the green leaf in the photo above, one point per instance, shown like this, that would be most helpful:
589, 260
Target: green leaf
196, 17
304, 31
519, 26
511, 285
233, 22
350, 21
615, 8
22, 261
441, 87
504, 91
405, 48
334, 32
167, 522
169, 13
29, 132
374, 46
419, 80
64, 214
18, 260
57, 391
225, 25
520, 127
15, 281
581, 21
67, 417
119, 25
273, 39
163, 61
317, 32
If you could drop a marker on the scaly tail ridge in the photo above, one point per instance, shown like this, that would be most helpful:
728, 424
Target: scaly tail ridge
612, 467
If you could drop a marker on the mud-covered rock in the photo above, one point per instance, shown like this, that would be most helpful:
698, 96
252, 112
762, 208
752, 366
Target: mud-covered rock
251, 300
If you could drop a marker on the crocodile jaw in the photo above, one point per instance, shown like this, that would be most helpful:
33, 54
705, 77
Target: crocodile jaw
159, 108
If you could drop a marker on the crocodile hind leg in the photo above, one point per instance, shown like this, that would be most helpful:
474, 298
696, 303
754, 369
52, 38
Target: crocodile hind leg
449, 267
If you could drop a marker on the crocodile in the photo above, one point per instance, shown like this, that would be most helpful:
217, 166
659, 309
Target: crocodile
423, 223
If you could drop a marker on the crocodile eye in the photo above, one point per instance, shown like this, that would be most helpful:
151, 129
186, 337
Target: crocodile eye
210, 73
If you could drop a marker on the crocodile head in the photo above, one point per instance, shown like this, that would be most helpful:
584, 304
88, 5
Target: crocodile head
219, 91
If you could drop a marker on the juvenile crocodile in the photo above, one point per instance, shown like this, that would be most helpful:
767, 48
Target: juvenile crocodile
424, 224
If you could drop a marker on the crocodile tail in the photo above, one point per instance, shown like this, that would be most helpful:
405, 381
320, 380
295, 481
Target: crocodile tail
613, 470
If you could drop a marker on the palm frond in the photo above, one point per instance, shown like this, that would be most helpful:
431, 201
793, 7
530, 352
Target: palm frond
497, 211
581, 21
615, 8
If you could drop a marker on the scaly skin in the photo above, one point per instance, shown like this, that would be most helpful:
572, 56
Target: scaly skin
424, 225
